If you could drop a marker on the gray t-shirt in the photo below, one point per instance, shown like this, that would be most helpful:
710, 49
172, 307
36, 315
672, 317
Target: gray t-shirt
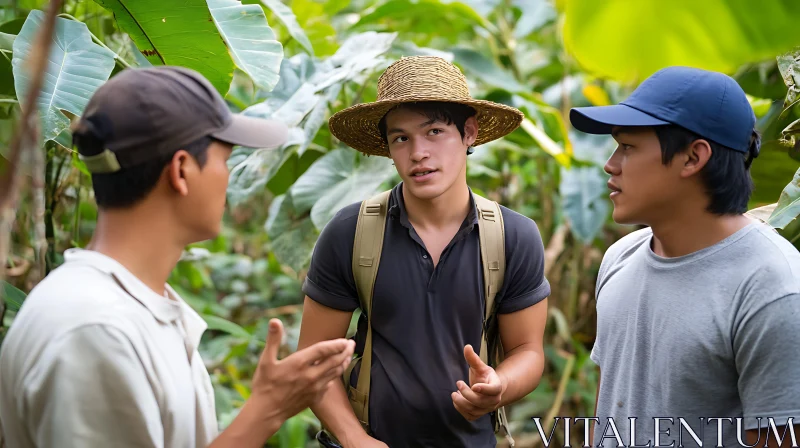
713, 334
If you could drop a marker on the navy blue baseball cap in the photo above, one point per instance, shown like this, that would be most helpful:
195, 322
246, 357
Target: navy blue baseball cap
710, 104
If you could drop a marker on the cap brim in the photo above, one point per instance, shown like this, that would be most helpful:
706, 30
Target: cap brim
252, 132
601, 119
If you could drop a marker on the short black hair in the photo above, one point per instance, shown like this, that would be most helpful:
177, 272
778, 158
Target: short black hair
128, 186
726, 175
450, 113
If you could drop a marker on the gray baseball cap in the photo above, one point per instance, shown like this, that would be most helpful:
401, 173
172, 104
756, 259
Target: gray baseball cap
145, 113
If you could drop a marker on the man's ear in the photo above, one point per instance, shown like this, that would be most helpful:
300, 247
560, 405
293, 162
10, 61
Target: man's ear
695, 157
470, 131
180, 164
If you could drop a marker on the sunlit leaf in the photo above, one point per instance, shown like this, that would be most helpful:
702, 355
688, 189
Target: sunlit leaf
76, 67
176, 33
788, 207
250, 40
289, 20
629, 40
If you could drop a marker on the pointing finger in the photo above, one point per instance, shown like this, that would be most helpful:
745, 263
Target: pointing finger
472, 358
274, 339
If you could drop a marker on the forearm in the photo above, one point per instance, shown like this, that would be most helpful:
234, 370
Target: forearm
520, 373
336, 415
251, 428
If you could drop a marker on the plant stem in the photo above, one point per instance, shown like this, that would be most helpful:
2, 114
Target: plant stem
25, 134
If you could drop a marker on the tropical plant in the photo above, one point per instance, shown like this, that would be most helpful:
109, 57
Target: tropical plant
301, 60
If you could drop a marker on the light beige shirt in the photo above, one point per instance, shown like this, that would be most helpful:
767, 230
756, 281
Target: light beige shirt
95, 358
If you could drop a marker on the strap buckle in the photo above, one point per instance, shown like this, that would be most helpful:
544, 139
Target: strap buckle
487, 214
372, 209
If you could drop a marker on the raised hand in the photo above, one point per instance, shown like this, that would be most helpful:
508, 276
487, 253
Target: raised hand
484, 392
295, 382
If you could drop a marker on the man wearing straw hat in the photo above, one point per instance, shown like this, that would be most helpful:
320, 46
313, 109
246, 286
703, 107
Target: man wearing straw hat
427, 386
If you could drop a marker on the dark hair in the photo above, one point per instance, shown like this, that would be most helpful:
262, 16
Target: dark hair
450, 113
128, 186
726, 175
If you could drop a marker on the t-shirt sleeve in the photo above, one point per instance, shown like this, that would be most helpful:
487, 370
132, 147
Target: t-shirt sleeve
330, 276
765, 347
525, 283
91, 390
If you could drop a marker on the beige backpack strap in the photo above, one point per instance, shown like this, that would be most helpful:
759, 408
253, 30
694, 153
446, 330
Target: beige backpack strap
493, 258
367, 247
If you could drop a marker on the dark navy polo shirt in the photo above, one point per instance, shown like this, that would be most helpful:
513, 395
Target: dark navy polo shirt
423, 317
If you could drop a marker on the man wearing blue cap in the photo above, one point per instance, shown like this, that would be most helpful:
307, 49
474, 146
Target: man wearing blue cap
698, 314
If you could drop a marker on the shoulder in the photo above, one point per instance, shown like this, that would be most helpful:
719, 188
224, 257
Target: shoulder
771, 264
627, 245
343, 223
520, 230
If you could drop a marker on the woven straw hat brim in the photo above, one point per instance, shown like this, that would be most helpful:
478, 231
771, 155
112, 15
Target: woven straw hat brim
357, 126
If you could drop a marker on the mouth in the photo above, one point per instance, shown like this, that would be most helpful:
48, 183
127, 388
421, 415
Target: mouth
615, 190
423, 174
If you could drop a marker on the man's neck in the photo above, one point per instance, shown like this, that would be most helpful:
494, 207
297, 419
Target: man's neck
686, 232
141, 244
450, 208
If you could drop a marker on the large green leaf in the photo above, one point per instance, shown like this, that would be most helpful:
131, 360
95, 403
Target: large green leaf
76, 68
478, 65
582, 189
250, 40
176, 33
535, 14
12, 296
301, 100
629, 40
788, 207
340, 178
292, 234
289, 20
425, 19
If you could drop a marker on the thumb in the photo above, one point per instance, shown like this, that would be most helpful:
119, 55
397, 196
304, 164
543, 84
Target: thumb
274, 340
472, 358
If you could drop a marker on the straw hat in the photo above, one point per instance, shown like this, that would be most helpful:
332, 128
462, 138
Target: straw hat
415, 79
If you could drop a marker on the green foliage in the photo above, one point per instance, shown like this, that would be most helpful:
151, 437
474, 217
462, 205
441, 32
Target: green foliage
12, 296
76, 69
175, 33
299, 61
718, 35
250, 40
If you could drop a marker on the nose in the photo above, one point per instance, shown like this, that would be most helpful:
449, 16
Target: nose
419, 150
612, 165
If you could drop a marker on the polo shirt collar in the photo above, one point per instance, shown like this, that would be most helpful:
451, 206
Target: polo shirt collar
397, 208
163, 309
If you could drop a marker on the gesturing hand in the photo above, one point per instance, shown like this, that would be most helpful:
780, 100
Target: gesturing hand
297, 381
485, 390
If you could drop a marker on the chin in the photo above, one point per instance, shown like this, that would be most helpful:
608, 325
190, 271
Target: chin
425, 191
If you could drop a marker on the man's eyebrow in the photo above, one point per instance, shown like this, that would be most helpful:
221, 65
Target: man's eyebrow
421, 125
395, 131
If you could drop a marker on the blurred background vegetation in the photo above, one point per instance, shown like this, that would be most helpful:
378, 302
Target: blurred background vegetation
302, 60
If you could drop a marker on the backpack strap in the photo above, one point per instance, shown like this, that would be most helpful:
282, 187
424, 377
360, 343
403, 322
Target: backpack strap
493, 258
367, 247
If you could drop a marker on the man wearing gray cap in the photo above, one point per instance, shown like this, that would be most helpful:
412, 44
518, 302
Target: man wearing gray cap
103, 352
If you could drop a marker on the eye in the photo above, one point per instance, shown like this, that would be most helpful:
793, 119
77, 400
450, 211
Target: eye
398, 138
436, 131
